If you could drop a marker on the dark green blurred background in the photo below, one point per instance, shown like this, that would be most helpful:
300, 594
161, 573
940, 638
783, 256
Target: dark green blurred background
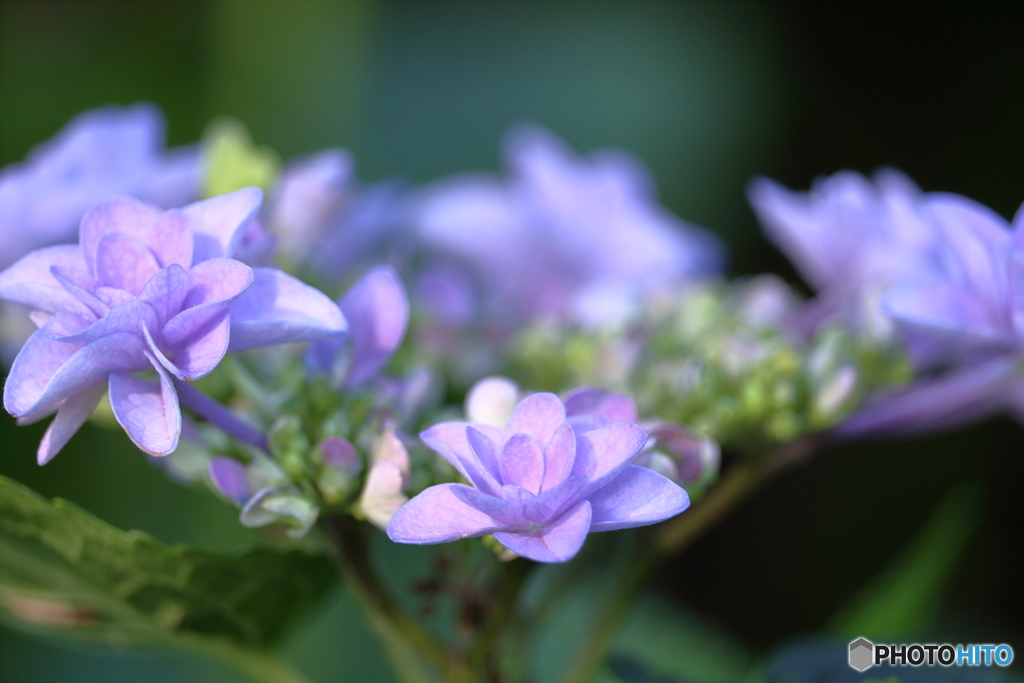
708, 94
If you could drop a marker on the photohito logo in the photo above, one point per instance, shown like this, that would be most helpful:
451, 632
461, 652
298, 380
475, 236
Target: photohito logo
864, 654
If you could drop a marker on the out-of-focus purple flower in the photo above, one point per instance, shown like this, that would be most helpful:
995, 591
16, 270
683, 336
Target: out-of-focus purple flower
539, 484
562, 231
147, 290
446, 295
972, 306
377, 311
851, 239
99, 154
324, 217
968, 313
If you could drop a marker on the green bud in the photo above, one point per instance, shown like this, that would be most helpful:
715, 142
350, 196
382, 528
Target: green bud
287, 436
783, 426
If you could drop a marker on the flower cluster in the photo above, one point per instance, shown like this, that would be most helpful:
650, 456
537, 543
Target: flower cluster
566, 275
147, 290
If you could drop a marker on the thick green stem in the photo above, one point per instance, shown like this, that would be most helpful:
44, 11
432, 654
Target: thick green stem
676, 535
405, 640
482, 653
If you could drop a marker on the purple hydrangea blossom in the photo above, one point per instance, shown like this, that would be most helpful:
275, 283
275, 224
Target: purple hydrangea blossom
968, 313
377, 310
99, 154
147, 290
540, 484
564, 235
851, 239
322, 215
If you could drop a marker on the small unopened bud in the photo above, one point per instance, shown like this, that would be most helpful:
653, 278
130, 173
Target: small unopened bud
283, 505
693, 458
338, 453
834, 394
386, 481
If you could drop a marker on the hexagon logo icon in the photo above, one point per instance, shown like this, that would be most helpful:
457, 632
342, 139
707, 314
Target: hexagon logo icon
862, 653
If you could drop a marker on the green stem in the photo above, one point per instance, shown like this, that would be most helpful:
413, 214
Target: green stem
676, 535
483, 651
407, 642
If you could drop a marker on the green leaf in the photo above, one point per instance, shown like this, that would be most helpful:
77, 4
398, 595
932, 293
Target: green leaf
64, 571
904, 599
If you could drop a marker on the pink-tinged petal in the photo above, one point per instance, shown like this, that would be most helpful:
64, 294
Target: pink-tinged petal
278, 309
553, 502
113, 297
558, 542
88, 365
522, 462
382, 494
128, 317
485, 450
960, 397
538, 415
30, 282
72, 414
231, 478
217, 222
124, 262
125, 215
603, 453
166, 291
559, 457
216, 280
439, 515
449, 440
637, 497
609, 404
36, 364
171, 240
201, 354
148, 411
377, 311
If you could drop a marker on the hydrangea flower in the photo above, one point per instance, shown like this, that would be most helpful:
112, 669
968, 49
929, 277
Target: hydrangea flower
99, 154
564, 235
850, 238
377, 310
322, 215
540, 484
147, 290
969, 312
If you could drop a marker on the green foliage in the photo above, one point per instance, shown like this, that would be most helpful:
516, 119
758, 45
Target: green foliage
232, 161
64, 571
905, 598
